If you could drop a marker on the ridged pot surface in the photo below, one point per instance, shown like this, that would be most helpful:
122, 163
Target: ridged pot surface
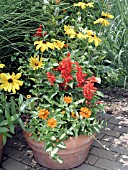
1, 147
76, 152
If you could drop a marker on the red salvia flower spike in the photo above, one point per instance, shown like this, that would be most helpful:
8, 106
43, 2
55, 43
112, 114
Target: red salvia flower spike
51, 77
39, 32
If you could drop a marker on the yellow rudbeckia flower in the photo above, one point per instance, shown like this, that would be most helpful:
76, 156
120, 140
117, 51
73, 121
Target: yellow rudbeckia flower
36, 63
43, 45
83, 5
80, 4
107, 15
58, 44
69, 31
103, 19
92, 37
10, 82
89, 4
2, 65
81, 36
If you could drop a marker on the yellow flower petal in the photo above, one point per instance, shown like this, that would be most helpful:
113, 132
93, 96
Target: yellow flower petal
2, 65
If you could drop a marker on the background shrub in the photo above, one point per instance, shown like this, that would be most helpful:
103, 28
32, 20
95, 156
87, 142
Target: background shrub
19, 19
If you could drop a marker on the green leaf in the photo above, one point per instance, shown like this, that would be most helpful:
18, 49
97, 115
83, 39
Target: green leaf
61, 145
79, 101
29, 101
7, 114
54, 151
20, 99
3, 129
33, 79
62, 136
49, 149
59, 159
13, 106
11, 127
4, 139
3, 123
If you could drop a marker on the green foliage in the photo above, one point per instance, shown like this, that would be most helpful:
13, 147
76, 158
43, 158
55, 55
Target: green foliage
116, 44
19, 19
47, 102
8, 116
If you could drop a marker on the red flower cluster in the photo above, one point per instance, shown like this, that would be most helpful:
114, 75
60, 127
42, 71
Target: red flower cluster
80, 76
65, 68
51, 77
89, 89
39, 32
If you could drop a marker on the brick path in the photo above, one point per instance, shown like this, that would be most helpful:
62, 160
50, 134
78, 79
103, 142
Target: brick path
18, 155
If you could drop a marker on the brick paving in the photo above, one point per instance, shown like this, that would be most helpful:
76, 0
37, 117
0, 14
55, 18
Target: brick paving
18, 155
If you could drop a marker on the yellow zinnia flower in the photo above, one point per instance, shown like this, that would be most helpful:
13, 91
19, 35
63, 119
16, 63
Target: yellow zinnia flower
92, 37
69, 31
10, 82
2, 65
43, 45
36, 63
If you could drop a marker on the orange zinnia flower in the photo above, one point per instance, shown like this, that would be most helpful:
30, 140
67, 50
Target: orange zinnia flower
85, 112
67, 99
43, 113
52, 122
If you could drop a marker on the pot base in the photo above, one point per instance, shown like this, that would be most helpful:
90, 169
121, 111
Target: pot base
76, 152
69, 161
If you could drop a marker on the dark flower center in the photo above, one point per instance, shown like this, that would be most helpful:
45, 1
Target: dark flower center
36, 64
10, 80
44, 42
92, 35
103, 17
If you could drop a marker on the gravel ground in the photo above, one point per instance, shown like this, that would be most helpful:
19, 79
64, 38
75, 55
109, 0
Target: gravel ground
116, 101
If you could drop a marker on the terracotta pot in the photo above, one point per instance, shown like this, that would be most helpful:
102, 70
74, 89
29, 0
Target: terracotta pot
1, 147
76, 152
